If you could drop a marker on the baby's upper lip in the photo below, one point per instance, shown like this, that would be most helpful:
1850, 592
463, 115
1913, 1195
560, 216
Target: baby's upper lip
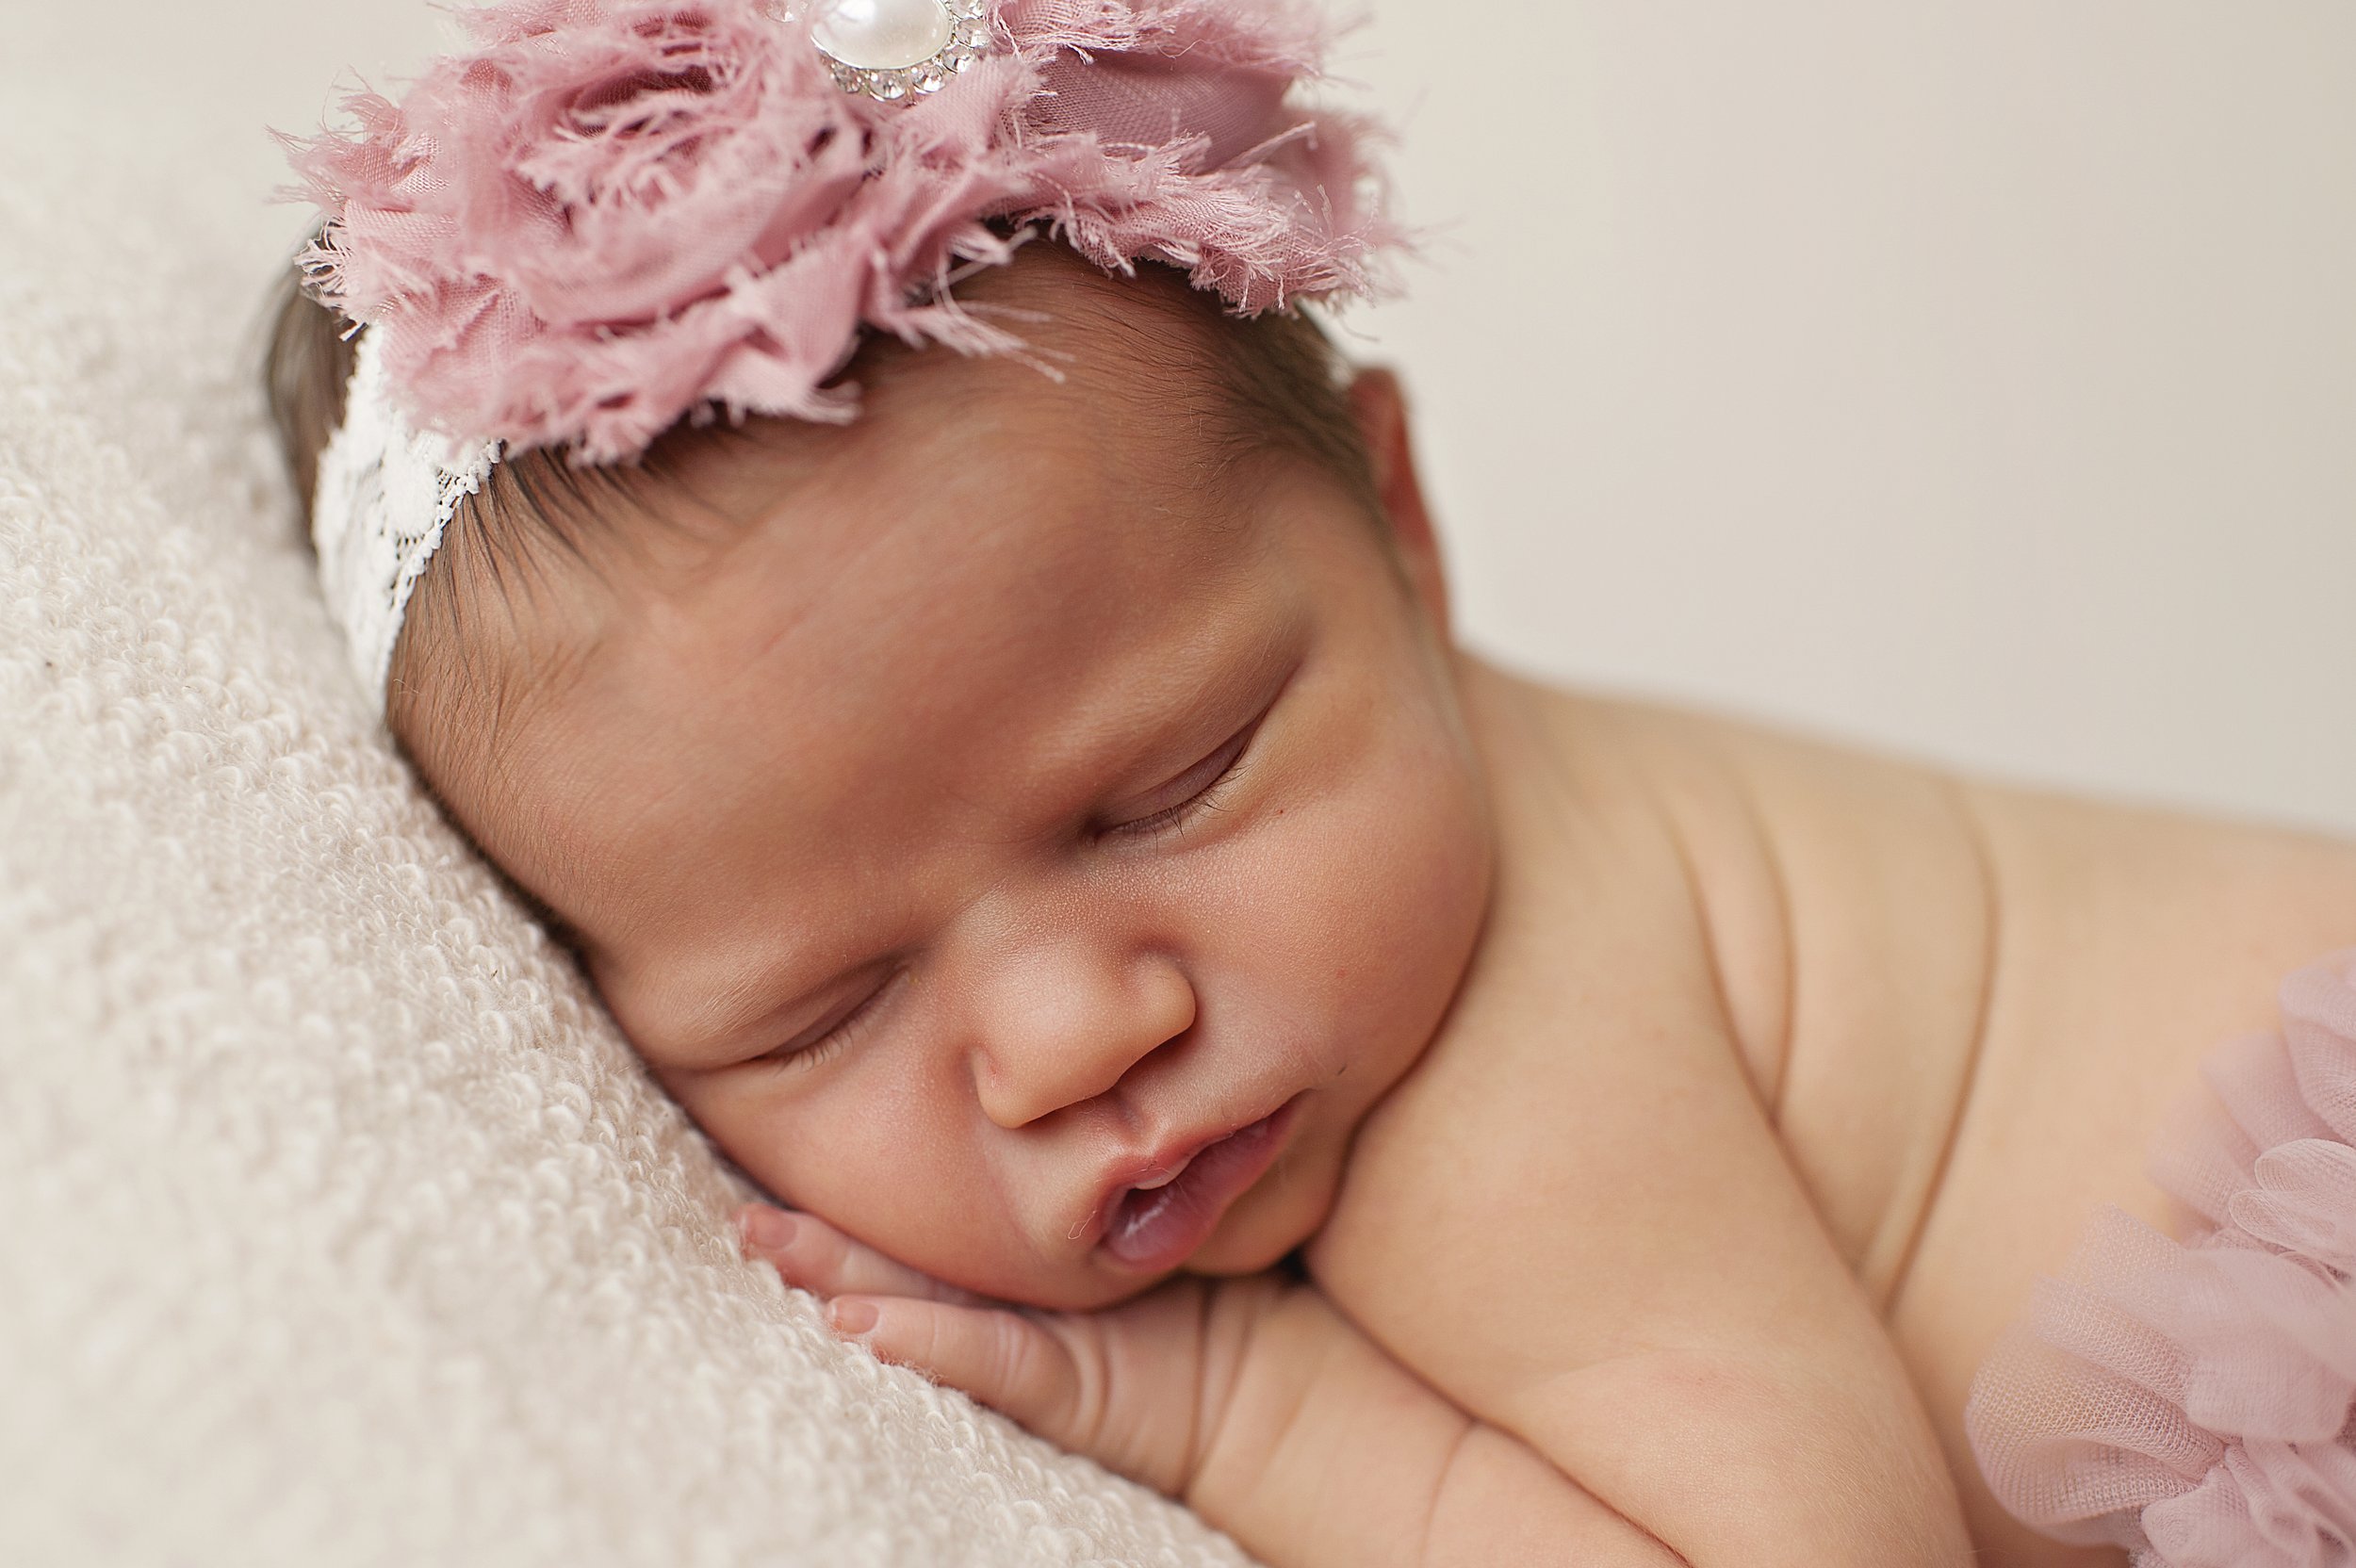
1164, 1161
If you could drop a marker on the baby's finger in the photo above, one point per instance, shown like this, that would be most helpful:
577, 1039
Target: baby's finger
812, 1254
1008, 1361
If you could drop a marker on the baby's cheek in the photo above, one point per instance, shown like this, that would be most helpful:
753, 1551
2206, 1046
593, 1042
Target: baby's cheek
816, 1146
870, 1152
1405, 914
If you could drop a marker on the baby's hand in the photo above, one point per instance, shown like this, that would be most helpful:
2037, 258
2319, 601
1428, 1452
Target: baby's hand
1140, 1388
1251, 1399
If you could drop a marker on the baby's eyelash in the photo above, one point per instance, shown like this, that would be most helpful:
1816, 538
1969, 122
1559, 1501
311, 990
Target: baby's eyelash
1173, 818
810, 1053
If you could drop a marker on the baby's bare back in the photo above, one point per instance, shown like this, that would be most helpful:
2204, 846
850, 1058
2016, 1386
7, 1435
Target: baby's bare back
1963, 1009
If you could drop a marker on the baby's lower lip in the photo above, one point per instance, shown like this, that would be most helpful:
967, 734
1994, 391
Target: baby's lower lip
1155, 1231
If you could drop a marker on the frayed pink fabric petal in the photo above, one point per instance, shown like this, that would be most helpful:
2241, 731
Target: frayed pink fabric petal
609, 214
2192, 1400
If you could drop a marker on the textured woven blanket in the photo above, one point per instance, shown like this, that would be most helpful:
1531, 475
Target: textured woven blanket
341, 1227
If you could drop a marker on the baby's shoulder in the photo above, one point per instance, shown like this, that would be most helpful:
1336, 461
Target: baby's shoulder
1690, 851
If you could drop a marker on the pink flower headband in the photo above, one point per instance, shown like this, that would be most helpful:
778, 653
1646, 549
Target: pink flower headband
609, 214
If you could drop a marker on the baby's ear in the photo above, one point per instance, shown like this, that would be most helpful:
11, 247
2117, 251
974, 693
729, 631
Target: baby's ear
1381, 404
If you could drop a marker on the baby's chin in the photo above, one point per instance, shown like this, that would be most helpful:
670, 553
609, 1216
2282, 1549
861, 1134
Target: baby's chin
1281, 1212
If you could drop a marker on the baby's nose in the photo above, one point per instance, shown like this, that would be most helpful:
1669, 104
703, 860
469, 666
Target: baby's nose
1062, 1024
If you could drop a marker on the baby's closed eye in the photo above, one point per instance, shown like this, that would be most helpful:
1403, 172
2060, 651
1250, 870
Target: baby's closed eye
840, 1025
1197, 789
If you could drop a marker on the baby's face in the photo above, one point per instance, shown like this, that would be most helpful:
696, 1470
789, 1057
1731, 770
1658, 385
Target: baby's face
1015, 815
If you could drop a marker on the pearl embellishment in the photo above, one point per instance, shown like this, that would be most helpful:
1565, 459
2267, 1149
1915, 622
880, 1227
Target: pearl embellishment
880, 35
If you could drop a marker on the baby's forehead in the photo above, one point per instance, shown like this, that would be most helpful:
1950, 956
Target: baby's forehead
961, 545
1027, 587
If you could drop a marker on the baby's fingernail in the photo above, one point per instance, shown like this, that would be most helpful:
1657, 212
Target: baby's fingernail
851, 1317
768, 1230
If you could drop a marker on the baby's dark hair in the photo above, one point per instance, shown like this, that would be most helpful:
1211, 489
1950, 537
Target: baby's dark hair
1269, 385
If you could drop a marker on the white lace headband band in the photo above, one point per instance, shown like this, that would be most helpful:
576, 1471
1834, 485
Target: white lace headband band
384, 496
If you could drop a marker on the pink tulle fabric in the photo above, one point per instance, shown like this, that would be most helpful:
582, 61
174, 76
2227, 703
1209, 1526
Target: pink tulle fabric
607, 214
2190, 1400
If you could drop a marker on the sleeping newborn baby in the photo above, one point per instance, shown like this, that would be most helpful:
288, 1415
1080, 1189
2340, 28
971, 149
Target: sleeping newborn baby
1043, 829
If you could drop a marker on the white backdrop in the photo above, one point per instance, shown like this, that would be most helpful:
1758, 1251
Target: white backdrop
1970, 377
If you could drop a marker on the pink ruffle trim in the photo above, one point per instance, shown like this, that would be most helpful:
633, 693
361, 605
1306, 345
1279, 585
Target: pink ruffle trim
2191, 1400
611, 213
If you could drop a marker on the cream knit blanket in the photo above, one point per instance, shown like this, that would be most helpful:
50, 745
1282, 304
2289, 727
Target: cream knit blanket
339, 1225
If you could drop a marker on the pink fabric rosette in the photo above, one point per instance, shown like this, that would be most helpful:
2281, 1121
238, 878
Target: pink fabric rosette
608, 214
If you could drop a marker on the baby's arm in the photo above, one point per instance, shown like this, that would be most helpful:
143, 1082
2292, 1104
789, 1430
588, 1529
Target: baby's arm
1253, 1401
1575, 1220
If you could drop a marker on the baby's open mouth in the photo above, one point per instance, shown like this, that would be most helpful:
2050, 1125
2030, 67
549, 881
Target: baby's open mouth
1158, 1222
